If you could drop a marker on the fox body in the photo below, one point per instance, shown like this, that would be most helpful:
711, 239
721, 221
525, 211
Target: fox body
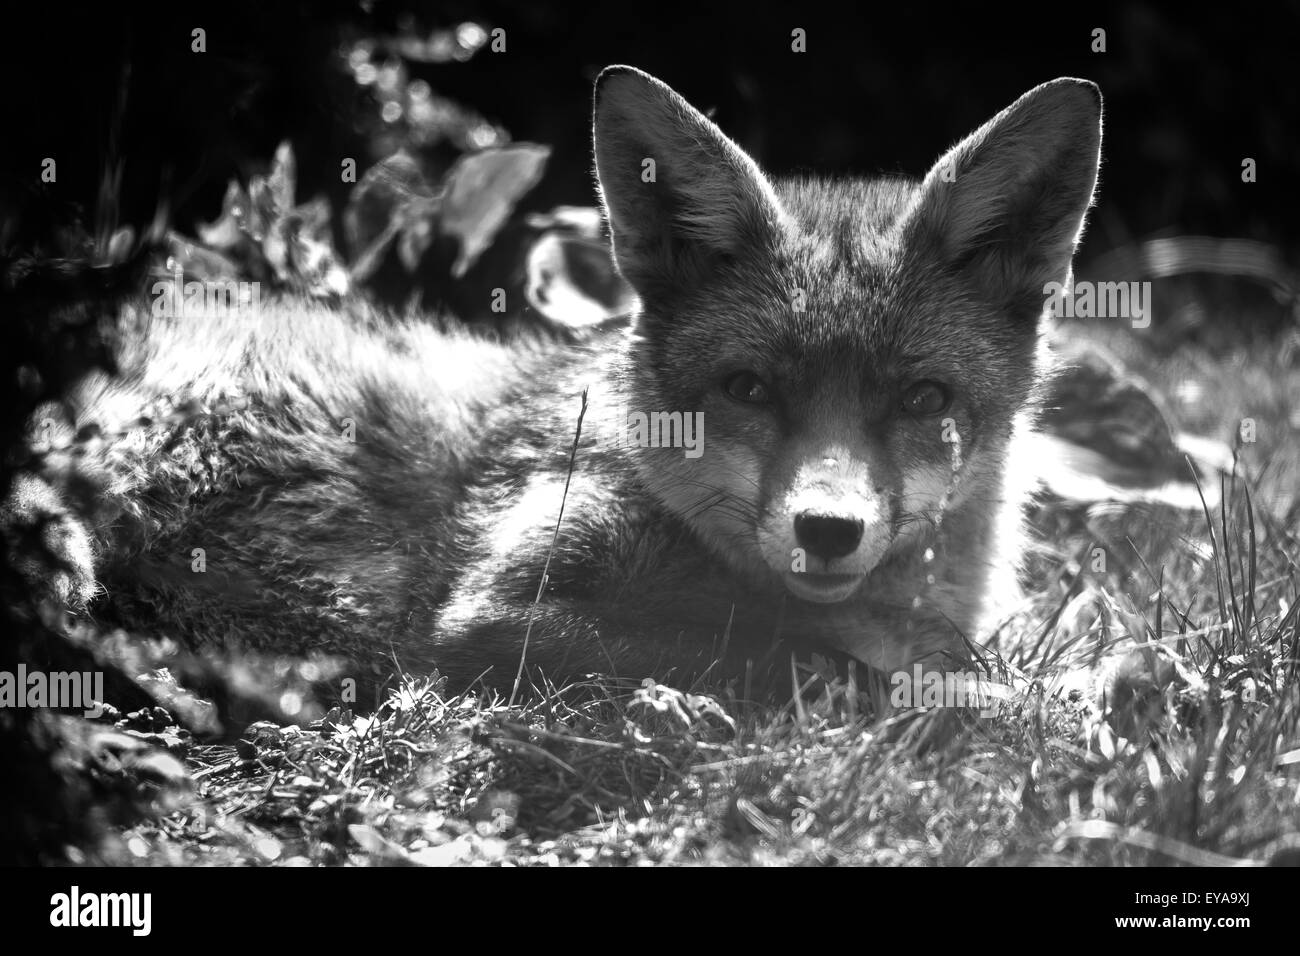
807, 434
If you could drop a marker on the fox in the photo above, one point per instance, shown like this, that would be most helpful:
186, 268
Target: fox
806, 436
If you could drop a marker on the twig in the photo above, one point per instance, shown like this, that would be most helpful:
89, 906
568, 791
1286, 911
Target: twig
546, 568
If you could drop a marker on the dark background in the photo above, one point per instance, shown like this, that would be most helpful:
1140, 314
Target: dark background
1190, 91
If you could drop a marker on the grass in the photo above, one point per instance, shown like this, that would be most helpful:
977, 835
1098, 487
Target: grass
654, 775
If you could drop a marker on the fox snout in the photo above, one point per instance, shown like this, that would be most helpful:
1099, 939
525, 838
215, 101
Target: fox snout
826, 528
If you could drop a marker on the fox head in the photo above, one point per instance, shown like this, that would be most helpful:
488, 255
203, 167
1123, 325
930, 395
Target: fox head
854, 346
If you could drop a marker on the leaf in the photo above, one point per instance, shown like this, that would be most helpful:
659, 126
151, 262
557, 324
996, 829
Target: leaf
300, 249
572, 281
1106, 435
385, 190
392, 197
482, 190
197, 262
586, 221
416, 235
273, 195
120, 244
231, 226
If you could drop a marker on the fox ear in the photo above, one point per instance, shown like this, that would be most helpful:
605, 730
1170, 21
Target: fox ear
1007, 204
679, 195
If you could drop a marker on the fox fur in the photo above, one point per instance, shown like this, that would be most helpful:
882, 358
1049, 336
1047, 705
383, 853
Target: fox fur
372, 488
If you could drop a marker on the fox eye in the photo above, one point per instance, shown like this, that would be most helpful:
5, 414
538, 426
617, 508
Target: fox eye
927, 398
748, 388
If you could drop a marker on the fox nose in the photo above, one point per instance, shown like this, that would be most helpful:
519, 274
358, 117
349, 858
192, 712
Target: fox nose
827, 536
